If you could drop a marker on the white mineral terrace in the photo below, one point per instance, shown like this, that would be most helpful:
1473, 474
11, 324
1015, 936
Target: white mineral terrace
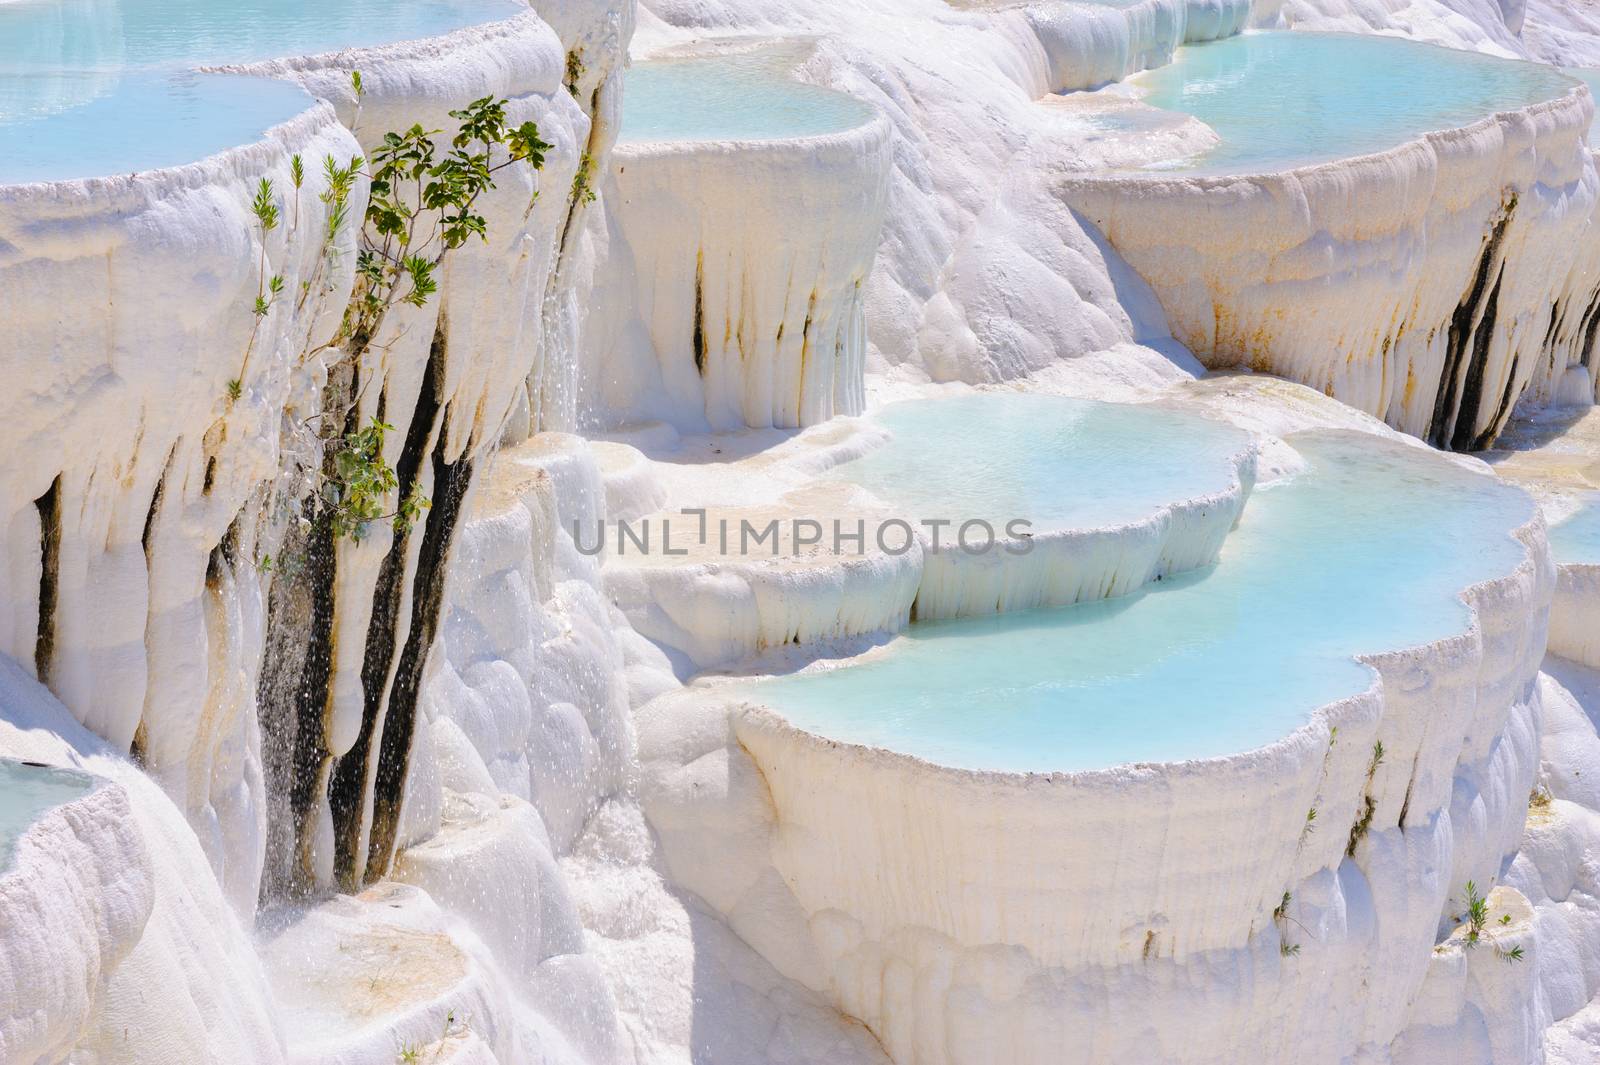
743, 317
980, 504
1367, 246
856, 532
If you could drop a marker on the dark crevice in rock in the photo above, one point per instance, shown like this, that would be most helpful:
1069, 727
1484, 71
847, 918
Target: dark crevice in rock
700, 312
348, 783
155, 505
49, 507
1468, 333
450, 483
295, 689
1590, 322
1502, 410
1465, 438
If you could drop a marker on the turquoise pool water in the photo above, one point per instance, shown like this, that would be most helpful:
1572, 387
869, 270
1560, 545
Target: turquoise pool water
1286, 99
90, 88
739, 96
1059, 463
148, 120
1577, 538
1366, 551
27, 791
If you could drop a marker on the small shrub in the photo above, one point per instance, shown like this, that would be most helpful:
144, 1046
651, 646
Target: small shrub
574, 70
360, 481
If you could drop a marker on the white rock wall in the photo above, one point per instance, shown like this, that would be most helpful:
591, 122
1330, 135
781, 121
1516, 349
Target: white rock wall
744, 317
1575, 614
126, 441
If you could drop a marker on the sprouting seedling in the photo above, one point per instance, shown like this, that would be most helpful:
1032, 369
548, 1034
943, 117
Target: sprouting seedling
1477, 914
265, 211
1376, 760
1505, 918
235, 388
263, 207
1311, 822
265, 300
297, 177
1280, 917
339, 182
355, 86
1514, 954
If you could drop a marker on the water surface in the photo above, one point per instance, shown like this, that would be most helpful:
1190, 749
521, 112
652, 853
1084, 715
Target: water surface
1283, 99
93, 88
1576, 538
739, 96
1366, 551
1060, 463
28, 791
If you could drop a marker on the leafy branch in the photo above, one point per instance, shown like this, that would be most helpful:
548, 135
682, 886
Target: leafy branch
423, 206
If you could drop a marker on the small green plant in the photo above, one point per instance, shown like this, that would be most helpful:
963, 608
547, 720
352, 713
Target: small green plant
1358, 831
582, 192
338, 183
1281, 918
297, 178
355, 87
1375, 761
1505, 918
1477, 915
360, 481
574, 70
264, 208
408, 1054
422, 207
235, 388
1514, 954
1311, 823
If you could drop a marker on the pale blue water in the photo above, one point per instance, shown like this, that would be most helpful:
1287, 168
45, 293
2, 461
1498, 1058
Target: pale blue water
1577, 538
1286, 99
146, 121
90, 88
1059, 463
27, 791
1590, 78
1364, 552
740, 96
